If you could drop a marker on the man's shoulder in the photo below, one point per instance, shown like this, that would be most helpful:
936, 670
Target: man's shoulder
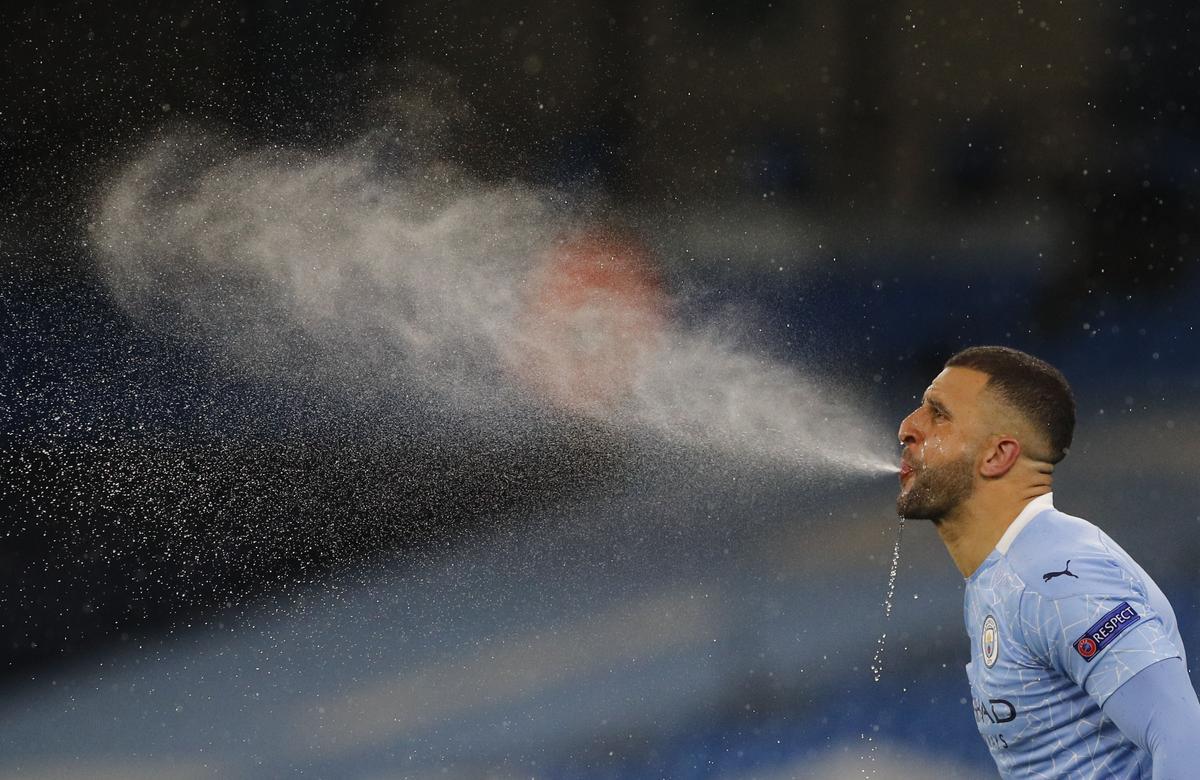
1059, 555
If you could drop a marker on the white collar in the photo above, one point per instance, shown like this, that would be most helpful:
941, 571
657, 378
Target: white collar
1031, 510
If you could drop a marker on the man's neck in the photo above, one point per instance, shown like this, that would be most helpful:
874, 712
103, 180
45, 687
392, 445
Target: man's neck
971, 532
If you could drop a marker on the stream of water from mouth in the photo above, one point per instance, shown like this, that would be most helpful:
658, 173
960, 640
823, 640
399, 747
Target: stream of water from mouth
877, 661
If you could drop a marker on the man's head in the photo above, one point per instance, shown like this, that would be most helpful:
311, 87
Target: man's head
994, 416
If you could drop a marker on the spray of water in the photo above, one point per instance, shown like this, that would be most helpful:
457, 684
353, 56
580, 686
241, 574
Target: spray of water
335, 269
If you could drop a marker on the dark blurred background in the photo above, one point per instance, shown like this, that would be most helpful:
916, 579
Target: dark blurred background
881, 184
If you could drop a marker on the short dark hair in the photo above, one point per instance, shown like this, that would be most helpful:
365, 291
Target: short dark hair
1033, 387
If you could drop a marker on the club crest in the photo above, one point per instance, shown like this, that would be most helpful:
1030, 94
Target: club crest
990, 641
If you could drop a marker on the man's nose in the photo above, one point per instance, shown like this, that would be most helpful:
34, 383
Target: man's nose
909, 433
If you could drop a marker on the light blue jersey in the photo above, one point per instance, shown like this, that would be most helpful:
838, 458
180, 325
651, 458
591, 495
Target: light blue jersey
1059, 617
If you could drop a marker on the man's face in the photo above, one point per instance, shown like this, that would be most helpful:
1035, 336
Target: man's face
940, 441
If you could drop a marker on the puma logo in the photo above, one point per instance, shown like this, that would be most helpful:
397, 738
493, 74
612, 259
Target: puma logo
1052, 574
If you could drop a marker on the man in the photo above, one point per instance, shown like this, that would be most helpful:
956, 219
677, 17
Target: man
1077, 668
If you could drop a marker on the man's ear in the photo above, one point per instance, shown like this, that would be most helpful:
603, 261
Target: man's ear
1003, 455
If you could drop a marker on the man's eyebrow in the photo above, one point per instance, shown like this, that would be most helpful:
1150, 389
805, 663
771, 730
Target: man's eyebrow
937, 405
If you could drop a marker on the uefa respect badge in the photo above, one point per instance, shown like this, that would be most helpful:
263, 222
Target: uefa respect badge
1105, 630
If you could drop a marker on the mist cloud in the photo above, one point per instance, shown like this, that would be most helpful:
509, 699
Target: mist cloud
334, 268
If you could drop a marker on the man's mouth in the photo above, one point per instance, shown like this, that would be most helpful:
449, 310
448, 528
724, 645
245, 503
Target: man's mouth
906, 470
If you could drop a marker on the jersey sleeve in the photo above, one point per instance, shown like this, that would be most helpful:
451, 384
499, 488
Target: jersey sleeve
1157, 710
1098, 631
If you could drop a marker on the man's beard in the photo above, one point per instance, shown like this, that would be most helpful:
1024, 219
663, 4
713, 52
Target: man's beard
935, 492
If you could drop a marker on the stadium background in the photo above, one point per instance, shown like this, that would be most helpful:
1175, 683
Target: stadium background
879, 184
